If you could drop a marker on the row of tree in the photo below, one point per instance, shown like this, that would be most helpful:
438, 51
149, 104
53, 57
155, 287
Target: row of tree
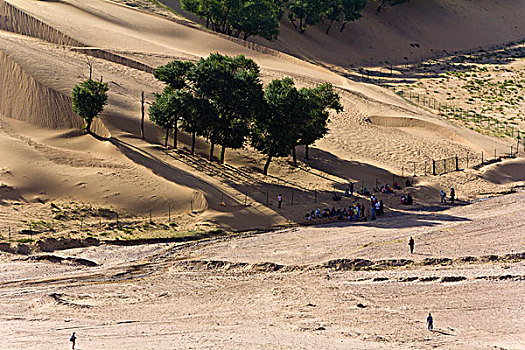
222, 99
261, 17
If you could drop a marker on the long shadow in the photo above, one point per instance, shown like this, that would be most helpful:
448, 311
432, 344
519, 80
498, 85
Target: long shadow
442, 332
362, 173
170, 173
401, 221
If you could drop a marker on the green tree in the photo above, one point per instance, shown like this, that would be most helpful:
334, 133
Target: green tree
305, 13
274, 132
233, 88
89, 98
258, 17
236, 17
199, 115
161, 114
351, 11
174, 74
317, 103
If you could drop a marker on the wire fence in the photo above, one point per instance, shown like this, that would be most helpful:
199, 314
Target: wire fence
473, 120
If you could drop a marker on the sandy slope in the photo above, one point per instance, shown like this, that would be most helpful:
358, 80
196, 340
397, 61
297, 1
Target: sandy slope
436, 26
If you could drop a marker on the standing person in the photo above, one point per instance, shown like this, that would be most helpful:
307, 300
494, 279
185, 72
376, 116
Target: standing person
381, 207
411, 244
279, 200
452, 195
430, 322
73, 340
443, 196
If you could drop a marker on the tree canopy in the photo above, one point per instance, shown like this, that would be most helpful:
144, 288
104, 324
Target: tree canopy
89, 98
239, 17
222, 99
245, 18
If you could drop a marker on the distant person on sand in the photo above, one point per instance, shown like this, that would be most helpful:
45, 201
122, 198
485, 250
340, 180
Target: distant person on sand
279, 200
443, 196
430, 322
73, 340
452, 195
411, 245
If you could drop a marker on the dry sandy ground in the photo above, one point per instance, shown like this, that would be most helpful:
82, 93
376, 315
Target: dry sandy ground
229, 294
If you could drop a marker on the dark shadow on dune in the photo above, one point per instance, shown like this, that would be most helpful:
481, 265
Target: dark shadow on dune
170, 173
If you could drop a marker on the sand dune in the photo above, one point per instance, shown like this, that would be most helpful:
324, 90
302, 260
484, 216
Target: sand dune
330, 286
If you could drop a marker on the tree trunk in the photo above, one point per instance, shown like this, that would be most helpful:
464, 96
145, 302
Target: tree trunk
88, 126
193, 143
329, 26
383, 3
306, 149
212, 146
265, 170
142, 100
175, 134
223, 154
294, 156
343, 27
167, 137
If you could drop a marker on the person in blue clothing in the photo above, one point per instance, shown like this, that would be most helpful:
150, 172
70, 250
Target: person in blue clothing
73, 340
430, 322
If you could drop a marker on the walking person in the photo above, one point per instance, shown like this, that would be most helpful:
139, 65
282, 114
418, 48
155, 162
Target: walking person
411, 244
73, 340
279, 200
452, 195
430, 322
443, 196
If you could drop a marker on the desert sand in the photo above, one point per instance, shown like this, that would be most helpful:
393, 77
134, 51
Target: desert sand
137, 246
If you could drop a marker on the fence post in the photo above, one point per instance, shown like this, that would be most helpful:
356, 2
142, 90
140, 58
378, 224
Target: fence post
315, 193
142, 100
266, 197
414, 168
292, 196
425, 168
511, 151
495, 152
457, 163
467, 158
433, 167
245, 199
117, 217
481, 157
169, 214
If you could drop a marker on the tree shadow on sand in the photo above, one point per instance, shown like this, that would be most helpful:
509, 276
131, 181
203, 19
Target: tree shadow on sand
355, 171
401, 220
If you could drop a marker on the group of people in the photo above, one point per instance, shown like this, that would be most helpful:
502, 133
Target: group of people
355, 212
377, 207
452, 196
